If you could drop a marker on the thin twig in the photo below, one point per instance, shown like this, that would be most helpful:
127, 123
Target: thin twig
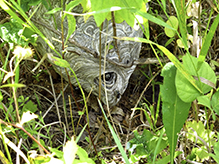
20, 127
100, 61
104, 80
54, 95
114, 33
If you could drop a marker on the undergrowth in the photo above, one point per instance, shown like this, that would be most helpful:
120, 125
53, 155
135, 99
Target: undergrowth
177, 122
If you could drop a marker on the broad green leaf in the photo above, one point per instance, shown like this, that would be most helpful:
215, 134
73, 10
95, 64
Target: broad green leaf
186, 91
215, 102
173, 22
174, 110
139, 5
86, 5
97, 5
120, 15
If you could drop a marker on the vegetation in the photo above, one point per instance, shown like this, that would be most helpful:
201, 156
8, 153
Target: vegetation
177, 122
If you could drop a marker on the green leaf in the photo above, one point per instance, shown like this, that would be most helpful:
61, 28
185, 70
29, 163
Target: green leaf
58, 61
14, 33
173, 22
180, 8
152, 18
97, 5
71, 18
216, 157
71, 26
56, 152
186, 91
26, 4
215, 102
198, 128
216, 151
201, 153
53, 11
204, 100
120, 15
83, 157
174, 110
30, 106
1, 97
13, 85
166, 159
146, 145
128, 16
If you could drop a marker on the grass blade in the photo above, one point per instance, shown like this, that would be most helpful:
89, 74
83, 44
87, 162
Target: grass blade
207, 41
120, 147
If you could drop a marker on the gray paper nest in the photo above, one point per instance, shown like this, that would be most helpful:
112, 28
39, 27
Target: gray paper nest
82, 46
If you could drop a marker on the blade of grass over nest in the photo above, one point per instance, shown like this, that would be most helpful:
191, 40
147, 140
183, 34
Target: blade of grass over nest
172, 58
174, 110
179, 6
120, 147
152, 18
208, 39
